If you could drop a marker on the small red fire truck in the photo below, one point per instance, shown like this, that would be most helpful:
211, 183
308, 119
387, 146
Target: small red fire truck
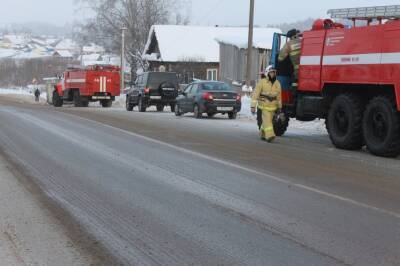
350, 76
89, 84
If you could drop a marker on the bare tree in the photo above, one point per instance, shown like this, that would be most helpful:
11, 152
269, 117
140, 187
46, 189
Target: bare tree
136, 15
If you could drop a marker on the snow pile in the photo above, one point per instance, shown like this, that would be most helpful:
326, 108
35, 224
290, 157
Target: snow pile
315, 127
196, 43
120, 101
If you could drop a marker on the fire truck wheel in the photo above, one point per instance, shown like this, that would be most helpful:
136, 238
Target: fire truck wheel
129, 106
381, 127
141, 105
106, 103
57, 100
344, 122
160, 108
85, 103
77, 99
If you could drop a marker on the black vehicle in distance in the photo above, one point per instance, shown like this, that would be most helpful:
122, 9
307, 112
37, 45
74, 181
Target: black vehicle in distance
208, 97
153, 89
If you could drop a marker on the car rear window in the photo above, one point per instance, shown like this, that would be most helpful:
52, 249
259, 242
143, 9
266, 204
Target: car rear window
156, 79
214, 86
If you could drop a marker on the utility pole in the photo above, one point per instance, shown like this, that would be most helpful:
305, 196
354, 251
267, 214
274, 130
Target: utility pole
250, 44
123, 29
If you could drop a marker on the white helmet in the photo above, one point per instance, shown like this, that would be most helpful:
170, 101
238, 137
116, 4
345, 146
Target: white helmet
269, 69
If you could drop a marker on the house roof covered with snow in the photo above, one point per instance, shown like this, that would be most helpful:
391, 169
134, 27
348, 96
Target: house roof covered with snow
7, 53
92, 59
66, 44
176, 43
63, 53
262, 39
15, 39
93, 48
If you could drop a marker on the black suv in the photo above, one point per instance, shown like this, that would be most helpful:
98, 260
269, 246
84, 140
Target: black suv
153, 88
208, 97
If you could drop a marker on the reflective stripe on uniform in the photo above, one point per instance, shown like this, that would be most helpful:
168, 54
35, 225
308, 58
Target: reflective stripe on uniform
267, 129
270, 109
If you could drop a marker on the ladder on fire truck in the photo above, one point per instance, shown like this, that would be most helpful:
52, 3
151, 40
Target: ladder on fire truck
367, 13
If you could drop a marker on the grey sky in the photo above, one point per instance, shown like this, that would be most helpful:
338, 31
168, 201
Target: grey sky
204, 12
235, 12
58, 12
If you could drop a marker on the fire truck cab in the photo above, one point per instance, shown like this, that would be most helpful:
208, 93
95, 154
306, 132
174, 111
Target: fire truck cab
350, 76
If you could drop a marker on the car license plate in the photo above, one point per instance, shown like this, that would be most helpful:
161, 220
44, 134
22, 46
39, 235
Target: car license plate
168, 89
224, 108
155, 97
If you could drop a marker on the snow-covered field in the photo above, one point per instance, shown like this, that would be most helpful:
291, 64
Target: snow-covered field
316, 127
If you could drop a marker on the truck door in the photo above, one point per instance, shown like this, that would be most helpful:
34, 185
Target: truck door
312, 50
276, 47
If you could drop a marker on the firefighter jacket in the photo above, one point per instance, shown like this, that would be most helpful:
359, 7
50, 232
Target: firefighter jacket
267, 96
292, 49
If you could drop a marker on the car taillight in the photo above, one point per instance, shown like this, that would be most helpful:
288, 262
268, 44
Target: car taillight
208, 96
238, 98
146, 90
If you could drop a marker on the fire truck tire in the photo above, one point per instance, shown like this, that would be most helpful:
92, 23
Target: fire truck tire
85, 103
344, 122
106, 103
57, 100
141, 105
381, 127
77, 99
160, 108
129, 106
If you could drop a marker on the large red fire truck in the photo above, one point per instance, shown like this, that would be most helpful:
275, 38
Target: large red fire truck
89, 84
350, 76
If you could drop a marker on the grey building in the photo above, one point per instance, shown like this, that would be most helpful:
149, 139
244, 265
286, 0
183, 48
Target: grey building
233, 57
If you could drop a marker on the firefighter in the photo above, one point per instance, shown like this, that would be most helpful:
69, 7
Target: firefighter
292, 49
267, 98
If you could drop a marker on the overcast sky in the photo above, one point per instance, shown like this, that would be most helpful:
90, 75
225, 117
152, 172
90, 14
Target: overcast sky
204, 12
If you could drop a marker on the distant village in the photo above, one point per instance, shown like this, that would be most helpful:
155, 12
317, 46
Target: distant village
24, 46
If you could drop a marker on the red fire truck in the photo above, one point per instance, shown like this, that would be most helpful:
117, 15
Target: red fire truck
89, 84
350, 76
